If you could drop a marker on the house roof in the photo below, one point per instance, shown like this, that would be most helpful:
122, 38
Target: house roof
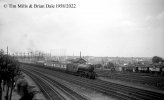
78, 60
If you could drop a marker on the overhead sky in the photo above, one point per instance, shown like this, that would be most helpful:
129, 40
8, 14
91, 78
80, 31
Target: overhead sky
124, 28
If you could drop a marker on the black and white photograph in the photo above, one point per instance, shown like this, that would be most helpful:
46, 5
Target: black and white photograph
81, 49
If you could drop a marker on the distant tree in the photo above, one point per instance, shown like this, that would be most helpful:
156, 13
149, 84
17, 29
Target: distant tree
1, 61
157, 59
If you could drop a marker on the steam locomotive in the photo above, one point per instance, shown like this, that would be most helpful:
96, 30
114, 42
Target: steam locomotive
83, 70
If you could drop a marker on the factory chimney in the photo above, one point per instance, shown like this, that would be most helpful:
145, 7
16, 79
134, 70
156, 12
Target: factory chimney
80, 54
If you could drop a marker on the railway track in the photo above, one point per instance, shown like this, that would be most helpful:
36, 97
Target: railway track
102, 90
112, 89
120, 91
48, 88
135, 77
130, 79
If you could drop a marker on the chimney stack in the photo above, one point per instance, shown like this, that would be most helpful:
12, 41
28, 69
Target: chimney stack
80, 54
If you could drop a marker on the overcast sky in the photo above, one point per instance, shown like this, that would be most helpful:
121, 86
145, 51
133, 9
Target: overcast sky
124, 28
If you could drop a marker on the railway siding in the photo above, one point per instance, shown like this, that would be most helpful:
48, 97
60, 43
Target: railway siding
139, 78
139, 86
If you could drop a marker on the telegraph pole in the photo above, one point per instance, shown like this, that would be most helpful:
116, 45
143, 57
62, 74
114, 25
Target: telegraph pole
7, 50
31, 58
28, 57
24, 57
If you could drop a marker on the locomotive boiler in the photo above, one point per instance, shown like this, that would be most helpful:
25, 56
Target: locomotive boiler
83, 70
